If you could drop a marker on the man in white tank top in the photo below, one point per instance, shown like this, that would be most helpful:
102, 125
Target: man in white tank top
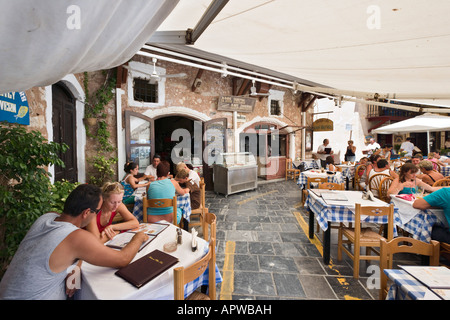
53, 246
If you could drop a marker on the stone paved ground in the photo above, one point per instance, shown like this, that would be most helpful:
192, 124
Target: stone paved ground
264, 251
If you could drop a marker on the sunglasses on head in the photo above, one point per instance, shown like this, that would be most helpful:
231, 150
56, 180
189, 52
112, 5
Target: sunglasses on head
95, 210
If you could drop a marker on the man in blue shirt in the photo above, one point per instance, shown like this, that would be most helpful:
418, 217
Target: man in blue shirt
439, 198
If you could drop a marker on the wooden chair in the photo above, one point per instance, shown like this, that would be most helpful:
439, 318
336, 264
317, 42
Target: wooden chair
209, 230
364, 237
444, 250
384, 187
290, 171
436, 166
374, 183
160, 203
310, 180
200, 211
332, 186
442, 182
182, 276
404, 245
357, 177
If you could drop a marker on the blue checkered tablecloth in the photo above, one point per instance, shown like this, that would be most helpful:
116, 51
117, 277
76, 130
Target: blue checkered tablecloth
326, 213
334, 178
203, 280
348, 171
445, 171
183, 202
307, 164
406, 287
420, 225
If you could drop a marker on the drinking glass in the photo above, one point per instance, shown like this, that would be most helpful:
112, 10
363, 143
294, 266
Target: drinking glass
419, 191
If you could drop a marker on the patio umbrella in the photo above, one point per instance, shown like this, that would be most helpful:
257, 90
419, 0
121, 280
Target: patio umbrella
424, 123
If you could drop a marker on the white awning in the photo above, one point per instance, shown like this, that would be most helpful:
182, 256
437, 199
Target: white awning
393, 47
398, 49
41, 41
423, 123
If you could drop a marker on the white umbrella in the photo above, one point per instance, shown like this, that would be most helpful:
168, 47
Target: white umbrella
424, 123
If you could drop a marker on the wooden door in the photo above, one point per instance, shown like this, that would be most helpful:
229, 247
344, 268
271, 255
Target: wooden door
64, 131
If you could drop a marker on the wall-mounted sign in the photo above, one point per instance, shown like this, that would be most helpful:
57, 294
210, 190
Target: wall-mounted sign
239, 104
14, 108
323, 125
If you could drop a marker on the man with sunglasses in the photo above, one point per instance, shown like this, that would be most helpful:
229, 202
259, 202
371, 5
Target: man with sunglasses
53, 246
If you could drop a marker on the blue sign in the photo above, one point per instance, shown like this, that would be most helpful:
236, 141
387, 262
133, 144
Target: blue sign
14, 108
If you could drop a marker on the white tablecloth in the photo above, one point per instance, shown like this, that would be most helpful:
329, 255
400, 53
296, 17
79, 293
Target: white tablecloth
101, 282
407, 212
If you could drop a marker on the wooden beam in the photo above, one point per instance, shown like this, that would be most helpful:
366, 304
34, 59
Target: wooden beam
309, 104
245, 86
197, 80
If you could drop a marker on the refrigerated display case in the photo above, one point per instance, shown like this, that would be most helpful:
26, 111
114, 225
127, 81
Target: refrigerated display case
238, 172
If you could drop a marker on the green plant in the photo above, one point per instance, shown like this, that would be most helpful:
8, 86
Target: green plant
60, 190
444, 151
95, 108
95, 104
25, 187
105, 169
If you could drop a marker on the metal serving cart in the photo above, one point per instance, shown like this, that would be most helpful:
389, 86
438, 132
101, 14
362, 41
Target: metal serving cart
238, 172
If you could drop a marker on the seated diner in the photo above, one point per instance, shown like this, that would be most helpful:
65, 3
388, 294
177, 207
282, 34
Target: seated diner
440, 199
330, 164
164, 188
407, 181
182, 178
382, 166
102, 226
130, 182
436, 162
429, 175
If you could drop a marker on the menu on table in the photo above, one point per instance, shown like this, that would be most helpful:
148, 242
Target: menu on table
434, 277
122, 239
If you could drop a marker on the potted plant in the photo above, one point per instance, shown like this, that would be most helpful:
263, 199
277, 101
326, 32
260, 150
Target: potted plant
25, 187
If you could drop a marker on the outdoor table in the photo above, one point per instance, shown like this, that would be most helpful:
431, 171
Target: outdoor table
339, 211
183, 202
406, 287
348, 172
307, 164
445, 171
101, 282
418, 223
334, 178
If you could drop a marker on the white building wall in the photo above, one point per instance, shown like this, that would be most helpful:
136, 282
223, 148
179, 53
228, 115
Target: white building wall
349, 123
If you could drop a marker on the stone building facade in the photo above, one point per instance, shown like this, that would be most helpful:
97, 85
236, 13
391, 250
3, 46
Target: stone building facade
181, 103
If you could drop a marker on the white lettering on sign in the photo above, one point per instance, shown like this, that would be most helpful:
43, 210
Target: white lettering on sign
8, 106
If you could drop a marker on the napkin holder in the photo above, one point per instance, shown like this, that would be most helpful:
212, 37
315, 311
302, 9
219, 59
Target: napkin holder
194, 234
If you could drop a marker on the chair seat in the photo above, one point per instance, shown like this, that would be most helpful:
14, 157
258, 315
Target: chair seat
368, 236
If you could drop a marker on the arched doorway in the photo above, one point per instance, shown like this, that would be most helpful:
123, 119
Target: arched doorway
64, 131
175, 140
176, 137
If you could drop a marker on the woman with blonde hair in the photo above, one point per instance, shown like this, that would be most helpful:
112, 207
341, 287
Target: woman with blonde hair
112, 205
436, 163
